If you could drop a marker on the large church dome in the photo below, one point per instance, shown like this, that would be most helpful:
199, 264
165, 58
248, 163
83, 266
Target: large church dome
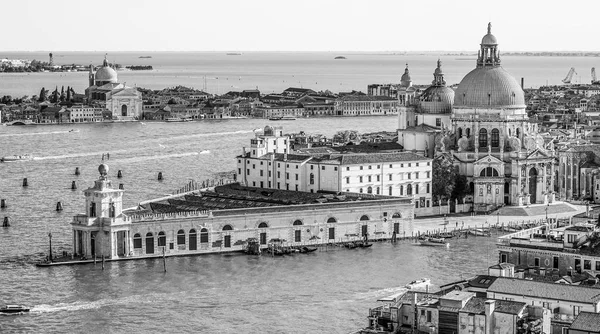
105, 74
486, 87
489, 85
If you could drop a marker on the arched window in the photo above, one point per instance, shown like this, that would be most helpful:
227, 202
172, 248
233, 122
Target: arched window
331, 220
489, 172
468, 132
181, 237
495, 138
364, 217
203, 236
409, 189
312, 178
227, 228
396, 215
193, 240
137, 241
401, 190
483, 138
162, 239
263, 225
369, 190
390, 189
297, 222
459, 133
519, 133
360, 190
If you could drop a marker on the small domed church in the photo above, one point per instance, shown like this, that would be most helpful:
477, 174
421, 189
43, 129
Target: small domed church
484, 129
125, 103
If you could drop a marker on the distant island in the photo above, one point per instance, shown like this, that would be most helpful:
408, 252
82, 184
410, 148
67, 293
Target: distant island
234, 54
139, 67
340, 57
142, 57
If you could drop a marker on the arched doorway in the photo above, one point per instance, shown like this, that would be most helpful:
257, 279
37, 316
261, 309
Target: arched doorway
123, 110
532, 185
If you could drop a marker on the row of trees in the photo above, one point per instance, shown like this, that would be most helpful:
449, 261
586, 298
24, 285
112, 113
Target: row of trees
55, 96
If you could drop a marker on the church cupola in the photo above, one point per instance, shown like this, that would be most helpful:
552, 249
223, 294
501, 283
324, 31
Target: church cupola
102, 201
405, 80
488, 55
438, 75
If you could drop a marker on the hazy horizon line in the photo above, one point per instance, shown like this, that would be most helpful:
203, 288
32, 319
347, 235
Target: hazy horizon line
310, 51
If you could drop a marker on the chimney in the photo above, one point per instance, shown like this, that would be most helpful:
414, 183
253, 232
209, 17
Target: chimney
522, 83
490, 306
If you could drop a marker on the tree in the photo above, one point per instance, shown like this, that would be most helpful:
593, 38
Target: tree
443, 177
62, 94
461, 187
43, 95
69, 96
55, 96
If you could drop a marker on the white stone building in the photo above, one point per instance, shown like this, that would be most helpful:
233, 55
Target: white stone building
267, 163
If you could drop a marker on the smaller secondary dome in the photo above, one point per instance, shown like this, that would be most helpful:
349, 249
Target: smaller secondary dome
489, 39
268, 130
437, 100
103, 169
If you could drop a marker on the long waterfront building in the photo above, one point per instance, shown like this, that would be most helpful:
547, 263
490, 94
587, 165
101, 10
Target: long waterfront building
223, 219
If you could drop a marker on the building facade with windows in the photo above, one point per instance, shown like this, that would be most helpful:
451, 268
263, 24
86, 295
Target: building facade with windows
267, 163
226, 217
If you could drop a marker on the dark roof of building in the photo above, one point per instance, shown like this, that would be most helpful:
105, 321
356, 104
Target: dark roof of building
477, 305
587, 321
366, 147
521, 287
482, 281
355, 159
422, 128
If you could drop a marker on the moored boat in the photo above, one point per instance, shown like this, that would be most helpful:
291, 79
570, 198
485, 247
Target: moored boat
14, 309
283, 118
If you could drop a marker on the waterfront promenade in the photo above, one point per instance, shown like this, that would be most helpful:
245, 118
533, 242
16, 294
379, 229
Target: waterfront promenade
466, 221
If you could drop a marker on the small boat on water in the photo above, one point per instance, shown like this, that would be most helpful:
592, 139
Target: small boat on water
434, 242
176, 119
74, 130
14, 309
340, 57
420, 283
13, 158
480, 232
283, 118
305, 249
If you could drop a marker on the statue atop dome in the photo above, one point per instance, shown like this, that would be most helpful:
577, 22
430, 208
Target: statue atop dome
405, 80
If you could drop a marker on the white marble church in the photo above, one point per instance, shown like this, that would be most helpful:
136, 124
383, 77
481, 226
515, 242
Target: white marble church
124, 102
486, 133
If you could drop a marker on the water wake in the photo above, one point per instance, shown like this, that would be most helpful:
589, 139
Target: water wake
77, 155
34, 133
158, 157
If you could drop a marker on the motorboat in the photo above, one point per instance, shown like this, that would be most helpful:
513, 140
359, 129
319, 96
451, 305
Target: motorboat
420, 283
14, 309
434, 242
74, 130
12, 158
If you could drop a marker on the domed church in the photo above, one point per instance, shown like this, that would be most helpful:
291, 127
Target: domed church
125, 103
419, 126
490, 137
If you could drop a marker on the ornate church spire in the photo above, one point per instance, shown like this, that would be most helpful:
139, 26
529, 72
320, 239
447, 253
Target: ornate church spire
105, 63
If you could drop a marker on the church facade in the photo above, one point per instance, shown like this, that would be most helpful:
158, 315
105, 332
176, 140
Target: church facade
487, 135
124, 102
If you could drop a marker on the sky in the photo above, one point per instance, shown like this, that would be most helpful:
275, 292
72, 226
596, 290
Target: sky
304, 25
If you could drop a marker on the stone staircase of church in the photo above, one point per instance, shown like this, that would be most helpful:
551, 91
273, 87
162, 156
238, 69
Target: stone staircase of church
534, 210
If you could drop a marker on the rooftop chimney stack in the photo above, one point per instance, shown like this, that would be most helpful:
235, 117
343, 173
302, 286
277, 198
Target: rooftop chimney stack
522, 83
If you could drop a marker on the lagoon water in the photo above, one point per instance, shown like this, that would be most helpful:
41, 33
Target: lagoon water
217, 72
322, 292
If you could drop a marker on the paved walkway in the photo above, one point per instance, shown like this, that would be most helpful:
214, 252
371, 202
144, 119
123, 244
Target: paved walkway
532, 213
